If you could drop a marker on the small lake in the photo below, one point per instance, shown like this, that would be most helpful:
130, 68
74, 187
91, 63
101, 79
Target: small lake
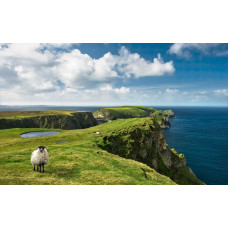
39, 134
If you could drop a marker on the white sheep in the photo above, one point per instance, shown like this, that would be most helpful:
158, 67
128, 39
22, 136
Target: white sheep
39, 157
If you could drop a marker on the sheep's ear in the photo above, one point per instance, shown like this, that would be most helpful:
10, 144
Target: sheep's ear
38, 146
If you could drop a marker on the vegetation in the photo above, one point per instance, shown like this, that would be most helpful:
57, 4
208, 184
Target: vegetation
85, 158
166, 113
25, 114
107, 114
113, 113
47, 119
141, 139
80, 161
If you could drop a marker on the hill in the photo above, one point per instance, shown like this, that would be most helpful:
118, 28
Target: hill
112, 113
125, 151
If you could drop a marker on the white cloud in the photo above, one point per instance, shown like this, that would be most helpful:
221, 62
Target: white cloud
109, 88
122, 90
106, 88
172, 91
185, 49
37, 68
81, 69
58, 45
133, 65
222, 53
223, 92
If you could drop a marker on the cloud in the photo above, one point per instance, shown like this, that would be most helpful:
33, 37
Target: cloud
109, 88
172, 91
133, 65
39, 67
223, 92
58, 45
81, 69
222, 53
186, 49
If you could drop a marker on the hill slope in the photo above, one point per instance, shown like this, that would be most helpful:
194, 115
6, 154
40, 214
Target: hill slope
91, 156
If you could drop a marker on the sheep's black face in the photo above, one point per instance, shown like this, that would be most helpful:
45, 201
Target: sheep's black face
41, 148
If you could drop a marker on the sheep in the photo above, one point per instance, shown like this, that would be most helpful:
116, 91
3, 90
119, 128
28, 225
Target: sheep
39, 158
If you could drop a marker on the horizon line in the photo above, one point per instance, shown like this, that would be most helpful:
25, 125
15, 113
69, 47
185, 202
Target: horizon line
119, 105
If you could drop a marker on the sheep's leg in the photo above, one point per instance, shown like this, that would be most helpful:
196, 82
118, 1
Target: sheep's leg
34, 168
37, 168
43, 168
40, 168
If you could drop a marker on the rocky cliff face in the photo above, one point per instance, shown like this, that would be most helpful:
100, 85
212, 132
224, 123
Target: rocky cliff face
145, 143
77, 120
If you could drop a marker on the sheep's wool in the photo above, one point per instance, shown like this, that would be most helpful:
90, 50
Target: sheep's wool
38, 158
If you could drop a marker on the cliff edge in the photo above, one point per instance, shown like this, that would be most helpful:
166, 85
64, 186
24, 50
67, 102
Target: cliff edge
141, 139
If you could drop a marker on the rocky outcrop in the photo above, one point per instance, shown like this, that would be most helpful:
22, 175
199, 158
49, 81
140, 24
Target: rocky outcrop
145, 143
77, 120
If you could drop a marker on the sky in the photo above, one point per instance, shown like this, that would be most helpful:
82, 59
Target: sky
180, 74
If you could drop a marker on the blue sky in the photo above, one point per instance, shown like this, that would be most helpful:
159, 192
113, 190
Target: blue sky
114, 74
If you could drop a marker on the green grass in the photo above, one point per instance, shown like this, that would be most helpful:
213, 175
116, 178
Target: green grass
114, 113
25, 114
123, 112
80, 161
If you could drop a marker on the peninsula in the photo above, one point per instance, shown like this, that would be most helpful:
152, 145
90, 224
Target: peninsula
103, 115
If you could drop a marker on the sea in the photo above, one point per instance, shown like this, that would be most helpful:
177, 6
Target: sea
200, 133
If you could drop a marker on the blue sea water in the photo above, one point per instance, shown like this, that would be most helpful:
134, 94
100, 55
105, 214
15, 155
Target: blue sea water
200, 133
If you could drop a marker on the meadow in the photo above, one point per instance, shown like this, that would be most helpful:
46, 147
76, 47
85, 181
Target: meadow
25, 114
75, 158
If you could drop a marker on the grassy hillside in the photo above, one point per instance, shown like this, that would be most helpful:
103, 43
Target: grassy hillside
47, 119
25, 114
113, 113
80, 161
85, 156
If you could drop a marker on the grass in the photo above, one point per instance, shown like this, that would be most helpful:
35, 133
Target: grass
25, 114
80, 161
123, 112
131, 112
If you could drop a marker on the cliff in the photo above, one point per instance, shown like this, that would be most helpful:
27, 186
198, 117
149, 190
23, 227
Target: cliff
103, 115
141, 139
47, 119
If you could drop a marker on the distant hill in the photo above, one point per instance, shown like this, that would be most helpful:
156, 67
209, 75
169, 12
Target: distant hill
47, 119
125, 112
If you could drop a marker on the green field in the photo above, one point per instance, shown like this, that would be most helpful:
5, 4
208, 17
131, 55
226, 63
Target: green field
25, 114
113, 113
80, 161
122, 151
123, 112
